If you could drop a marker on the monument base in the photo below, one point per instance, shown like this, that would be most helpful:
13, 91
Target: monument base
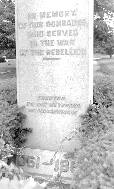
46, 164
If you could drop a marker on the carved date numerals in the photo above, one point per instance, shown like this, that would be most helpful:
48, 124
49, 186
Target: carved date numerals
29, 161
62, 165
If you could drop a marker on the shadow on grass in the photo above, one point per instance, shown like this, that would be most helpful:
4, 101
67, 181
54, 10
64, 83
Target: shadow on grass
7, 72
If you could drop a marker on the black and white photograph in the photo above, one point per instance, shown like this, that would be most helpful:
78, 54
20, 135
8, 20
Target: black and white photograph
56, 94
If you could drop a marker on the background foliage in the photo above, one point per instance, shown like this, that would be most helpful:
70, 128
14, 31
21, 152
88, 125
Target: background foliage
7, 26
11, 119
103, 33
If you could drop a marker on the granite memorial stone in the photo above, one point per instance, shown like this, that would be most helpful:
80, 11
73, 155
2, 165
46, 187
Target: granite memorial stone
54, 68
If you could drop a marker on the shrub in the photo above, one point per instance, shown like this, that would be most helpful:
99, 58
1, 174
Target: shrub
98, 118
94, 167
103, 91
9, 95
12, 177
12, 119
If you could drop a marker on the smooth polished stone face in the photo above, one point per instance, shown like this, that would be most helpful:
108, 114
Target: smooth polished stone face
54, 68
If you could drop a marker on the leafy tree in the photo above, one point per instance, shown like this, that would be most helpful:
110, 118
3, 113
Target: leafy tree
103, 37
103, 33
103, 6
7, 24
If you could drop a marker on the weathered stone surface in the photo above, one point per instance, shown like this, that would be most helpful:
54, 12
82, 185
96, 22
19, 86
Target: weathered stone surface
54, 72
54, 75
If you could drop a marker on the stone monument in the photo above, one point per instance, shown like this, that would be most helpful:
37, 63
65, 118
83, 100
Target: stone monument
54, 71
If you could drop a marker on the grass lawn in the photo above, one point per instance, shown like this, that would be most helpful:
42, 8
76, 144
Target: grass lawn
8, 70
7, 73
97, 55
105, 66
